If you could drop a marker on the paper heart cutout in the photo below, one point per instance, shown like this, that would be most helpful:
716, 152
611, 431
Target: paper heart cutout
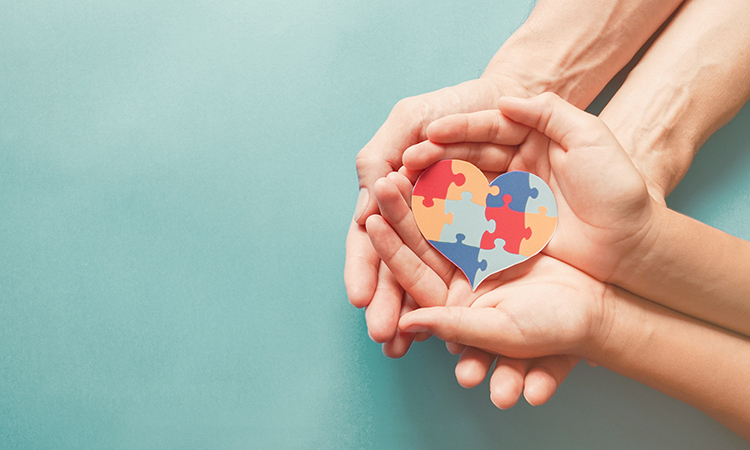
483, 227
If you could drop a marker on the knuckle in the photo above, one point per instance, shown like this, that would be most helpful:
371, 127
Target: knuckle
549, 97
364, 160
410, 111
405, 107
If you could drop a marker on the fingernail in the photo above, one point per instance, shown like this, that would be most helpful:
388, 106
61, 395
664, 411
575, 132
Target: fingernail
526, 396
364, 197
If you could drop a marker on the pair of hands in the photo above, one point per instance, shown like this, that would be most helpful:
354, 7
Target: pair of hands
543, 315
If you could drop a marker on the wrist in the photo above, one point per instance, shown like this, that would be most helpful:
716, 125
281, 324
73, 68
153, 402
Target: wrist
661, 148
534, 68
646, 244
522, 65
622, 328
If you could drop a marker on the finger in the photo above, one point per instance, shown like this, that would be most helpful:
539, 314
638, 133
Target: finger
360, 267
419, 280
406, 125
506, 382
482, 126
421, 337
410, 305
490, 329
382, 314
473, 366
486, 156
404, 185
459, 294
381, 156
399, 345
396, 212
412, 175
454, 348
545, 376
556, 119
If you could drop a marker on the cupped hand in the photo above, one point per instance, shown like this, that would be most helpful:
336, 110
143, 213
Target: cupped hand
605, 212
540, 309
368, 282
432, 280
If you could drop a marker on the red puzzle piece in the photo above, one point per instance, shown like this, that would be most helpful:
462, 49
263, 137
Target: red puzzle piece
509, 225
435, 181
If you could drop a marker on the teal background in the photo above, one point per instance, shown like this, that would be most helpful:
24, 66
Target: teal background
176, 182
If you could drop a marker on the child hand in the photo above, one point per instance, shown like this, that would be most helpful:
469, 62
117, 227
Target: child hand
433, 281
538, 308
604, 208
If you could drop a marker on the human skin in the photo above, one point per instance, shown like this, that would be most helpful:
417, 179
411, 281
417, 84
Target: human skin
539, 314
609, 226
691, 81
544, 308
564, 47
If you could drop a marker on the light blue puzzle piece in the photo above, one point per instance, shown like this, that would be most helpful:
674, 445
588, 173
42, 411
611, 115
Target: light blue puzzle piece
544, 198
468, 219
497, 259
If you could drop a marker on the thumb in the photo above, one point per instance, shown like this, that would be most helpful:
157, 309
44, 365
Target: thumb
485, 328
557, 119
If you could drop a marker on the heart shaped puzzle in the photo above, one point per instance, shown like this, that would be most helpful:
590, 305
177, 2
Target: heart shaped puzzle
483, 227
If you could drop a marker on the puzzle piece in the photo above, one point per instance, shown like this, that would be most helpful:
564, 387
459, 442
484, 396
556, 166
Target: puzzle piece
476, 183
509, 225
482, 227
435, 181
545, 199
542, 227
516, 184
430, 220
468, 219
497, 260
463, 256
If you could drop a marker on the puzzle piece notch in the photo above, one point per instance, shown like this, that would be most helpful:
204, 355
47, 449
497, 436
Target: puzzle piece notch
497, 260
435, 181
545, 198
468, 219
431, 220
465, 257
510, 225
476, 183
542, 228
516, 184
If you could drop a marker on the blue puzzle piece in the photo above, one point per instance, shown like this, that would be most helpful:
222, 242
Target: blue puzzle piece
516, 184
468, 219
463, 256
497, 259
545, 198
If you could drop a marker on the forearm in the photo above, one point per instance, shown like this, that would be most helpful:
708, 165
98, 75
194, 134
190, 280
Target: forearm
687, 359
573, 48
693, 268
693, 79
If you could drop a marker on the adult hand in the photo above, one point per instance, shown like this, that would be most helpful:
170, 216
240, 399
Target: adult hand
368, 282
555, 50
